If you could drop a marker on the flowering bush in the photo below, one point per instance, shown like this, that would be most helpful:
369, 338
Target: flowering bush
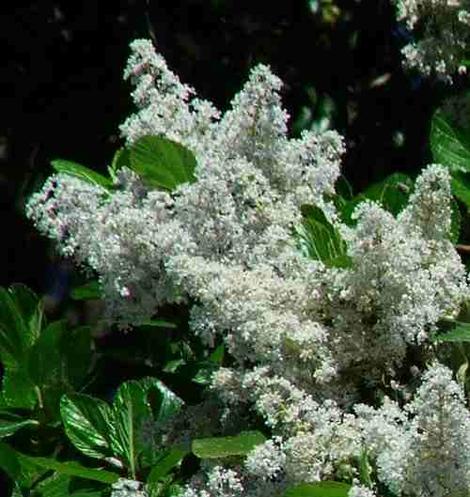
323, 319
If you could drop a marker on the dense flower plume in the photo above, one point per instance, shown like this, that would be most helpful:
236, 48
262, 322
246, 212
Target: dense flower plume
305, 337
441, 29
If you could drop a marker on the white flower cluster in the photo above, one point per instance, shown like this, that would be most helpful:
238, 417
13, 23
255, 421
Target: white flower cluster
128, 488
441, 28
305, 337
219, 482
421, 449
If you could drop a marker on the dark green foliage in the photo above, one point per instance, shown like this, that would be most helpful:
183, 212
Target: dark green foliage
319, 489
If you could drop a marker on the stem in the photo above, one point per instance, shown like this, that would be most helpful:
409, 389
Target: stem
463, 248
39, 397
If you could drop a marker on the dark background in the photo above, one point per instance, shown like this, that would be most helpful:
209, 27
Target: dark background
63, 95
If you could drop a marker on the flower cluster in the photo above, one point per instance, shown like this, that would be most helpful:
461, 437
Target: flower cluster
441, 28
127, 488
306, 338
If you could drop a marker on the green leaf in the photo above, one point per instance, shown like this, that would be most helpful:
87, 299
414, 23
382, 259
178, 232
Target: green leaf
318, 239
88, 291
62, 485
20, 322
18, 389
393, 192
121, 159
18, 467
31, 310
75, 348
169, 460
344, 189
21, 317
173, 365
213, 362
56, 485
162, 163
449, 145
456, 331
87, 423
16, 491
217, 356
73, 468
138, 404
84, 173
158, 323
10, 426
461, 187
319, 489
239, 445
44, 362
365, 469
9, 461
76, 354
58, 362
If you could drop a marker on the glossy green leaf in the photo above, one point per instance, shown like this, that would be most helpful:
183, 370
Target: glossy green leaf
73, 468
56, 485
450, 145
84, 173
454, 331
87, 423
168, 461
319, 489
239, 445
318, 239
88, 291
138, 404
19, 467
162, 163
10, 426
30, 472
